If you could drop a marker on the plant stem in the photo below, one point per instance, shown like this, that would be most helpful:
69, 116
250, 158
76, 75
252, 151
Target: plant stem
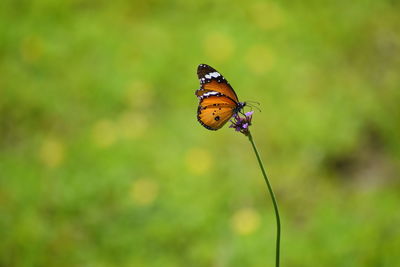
278, 221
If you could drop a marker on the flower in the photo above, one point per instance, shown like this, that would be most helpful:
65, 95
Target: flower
241, 124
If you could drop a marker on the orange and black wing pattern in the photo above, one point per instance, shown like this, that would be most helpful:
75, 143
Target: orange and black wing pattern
217, 99
215, 110
212, 80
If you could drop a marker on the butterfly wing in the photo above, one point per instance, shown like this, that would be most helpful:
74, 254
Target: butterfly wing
215, 110
212, 81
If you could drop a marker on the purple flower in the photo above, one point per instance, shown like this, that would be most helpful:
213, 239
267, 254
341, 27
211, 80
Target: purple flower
241, 124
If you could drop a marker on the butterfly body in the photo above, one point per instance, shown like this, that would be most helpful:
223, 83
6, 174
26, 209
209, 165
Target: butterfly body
218, 101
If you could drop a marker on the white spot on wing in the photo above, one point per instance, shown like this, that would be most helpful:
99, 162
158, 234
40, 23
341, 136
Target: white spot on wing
210, 93
215, 74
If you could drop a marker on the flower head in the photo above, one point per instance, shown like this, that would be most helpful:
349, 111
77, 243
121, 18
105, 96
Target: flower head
241, 124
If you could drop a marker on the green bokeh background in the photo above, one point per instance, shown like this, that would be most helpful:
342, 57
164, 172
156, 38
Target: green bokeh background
103, 163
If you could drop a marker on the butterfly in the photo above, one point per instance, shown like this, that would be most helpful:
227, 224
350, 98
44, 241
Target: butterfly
218, 101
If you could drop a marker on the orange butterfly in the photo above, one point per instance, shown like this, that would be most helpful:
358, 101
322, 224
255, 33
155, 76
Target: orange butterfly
218, 101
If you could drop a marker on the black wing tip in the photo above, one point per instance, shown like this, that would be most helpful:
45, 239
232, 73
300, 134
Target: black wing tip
207, 67
203, 66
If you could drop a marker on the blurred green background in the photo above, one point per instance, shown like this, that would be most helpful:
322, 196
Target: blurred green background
103, 163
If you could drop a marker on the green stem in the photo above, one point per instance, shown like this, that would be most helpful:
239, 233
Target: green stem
278, 221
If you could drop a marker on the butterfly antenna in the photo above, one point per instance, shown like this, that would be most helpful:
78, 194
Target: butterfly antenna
253, 106
254, 102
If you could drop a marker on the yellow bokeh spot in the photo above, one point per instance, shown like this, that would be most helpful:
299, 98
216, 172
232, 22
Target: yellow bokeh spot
266, 15
259, 59
144, 191
104, 133
132, 125
31, 49
139, 95
245, 221
218, 47
198, 160
52, 152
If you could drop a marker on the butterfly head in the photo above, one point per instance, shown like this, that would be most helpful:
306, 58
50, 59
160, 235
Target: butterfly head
240, 106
